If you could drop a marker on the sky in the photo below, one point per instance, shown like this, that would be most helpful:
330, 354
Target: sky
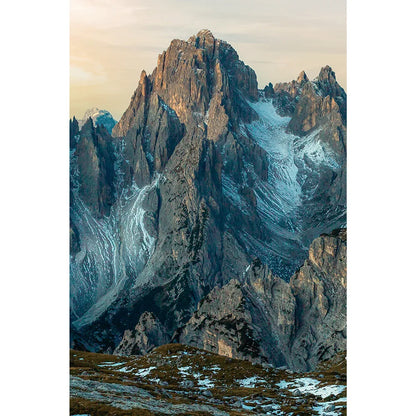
112, 41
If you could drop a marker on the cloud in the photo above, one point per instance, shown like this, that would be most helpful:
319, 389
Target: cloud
81, 76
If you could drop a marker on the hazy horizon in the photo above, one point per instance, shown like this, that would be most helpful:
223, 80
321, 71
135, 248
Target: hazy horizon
278, 39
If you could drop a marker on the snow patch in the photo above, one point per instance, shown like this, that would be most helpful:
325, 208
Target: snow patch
250, 382
206, 383
307, 385
145, 371
329, 408
110, 364
125, 369
185, 370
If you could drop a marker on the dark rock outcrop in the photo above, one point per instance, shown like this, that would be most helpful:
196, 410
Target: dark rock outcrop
93, 166
73, 132
320, 290
147, 334
265, 319
222, 324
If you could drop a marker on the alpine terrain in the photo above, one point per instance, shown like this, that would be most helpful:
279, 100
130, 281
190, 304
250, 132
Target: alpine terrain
212, 214
175, 379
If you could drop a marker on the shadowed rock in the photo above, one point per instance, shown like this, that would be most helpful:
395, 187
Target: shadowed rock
264, 319
147, 334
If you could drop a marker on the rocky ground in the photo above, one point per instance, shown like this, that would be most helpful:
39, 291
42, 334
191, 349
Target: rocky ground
180, 380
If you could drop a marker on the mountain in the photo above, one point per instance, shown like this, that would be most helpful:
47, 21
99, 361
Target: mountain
99, 117
206, 180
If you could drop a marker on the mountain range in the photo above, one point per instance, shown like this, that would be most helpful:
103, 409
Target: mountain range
213, 214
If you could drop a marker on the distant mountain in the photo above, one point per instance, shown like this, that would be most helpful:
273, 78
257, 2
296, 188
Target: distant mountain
210, 186
99, 117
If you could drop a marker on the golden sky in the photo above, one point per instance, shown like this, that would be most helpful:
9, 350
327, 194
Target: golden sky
112, 41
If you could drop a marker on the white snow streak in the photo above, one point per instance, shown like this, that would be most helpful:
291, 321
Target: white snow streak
113, 249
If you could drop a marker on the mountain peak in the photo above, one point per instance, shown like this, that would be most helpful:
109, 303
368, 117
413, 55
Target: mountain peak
203, 39
144, 83
205, 34
98, 117
302, 78
91, 112
143, 75
329, 86
327, 74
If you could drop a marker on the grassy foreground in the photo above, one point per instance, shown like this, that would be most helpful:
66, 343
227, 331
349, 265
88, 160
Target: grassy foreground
182, 380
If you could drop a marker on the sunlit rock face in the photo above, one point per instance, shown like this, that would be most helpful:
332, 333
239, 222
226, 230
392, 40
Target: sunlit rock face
203, 174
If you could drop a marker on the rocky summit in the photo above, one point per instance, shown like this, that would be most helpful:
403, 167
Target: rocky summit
213, 215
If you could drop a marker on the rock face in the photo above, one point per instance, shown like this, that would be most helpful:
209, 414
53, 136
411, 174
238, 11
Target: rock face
320, 288
100, 118
203, 174
320, 104
147, 334
265, 319
287, 94
222, 324
318, 109
92, 165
